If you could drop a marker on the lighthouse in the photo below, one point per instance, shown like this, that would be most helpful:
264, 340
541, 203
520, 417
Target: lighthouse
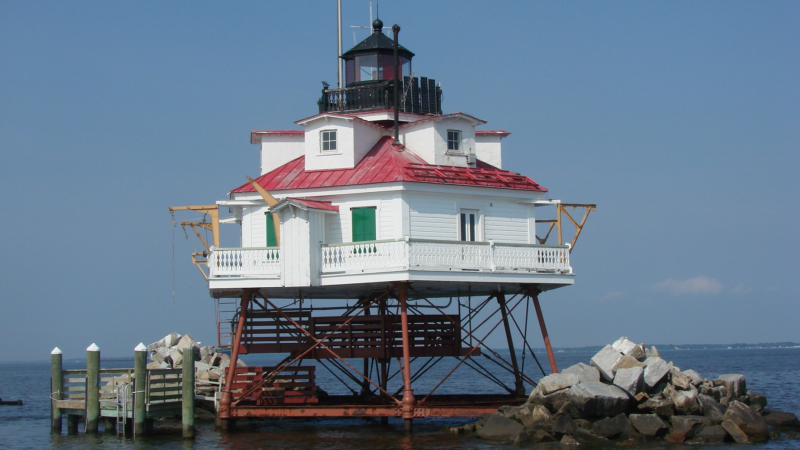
383, 237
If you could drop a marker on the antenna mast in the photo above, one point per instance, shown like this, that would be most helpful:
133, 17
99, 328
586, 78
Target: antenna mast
339, 40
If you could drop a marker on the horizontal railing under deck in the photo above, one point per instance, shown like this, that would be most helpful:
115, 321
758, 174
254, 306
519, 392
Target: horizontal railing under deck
254, 261
405, 254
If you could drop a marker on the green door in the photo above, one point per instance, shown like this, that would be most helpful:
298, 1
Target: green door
271, 241
363, 224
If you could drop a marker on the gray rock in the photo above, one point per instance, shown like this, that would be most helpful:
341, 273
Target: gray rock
564, 425
629, 380
604, 361
697, 380
655, 370
186, 341
711, 408
539, 413
568, 440
540, 436
718, 392
679, 380
780, 419
757, 399
648, 424
583, 372
595, 399
612, 427
584, 436
568, 409
736, 433
501, 428
638, 352
176, 356
521, 438
552, 401
685, 401
207, 351
654, 352
713, 434
623, 345
626, 362
734, 382
661, 406
556, 382
747, 420
685, 427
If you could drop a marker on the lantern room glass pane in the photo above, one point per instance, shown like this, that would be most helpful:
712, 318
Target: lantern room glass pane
367, 68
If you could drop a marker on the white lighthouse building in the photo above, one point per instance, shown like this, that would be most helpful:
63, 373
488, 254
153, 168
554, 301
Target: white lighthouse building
382, 199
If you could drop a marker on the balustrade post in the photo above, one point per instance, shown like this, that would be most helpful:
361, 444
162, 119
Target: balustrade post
492, 264
407, 252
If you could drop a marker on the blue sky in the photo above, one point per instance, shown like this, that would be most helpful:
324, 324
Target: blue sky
680, 120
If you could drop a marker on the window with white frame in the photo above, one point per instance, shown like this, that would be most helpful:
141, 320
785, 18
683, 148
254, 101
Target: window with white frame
468, 225
454, 141
328, 140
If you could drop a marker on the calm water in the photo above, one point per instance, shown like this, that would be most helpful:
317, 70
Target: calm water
775, 373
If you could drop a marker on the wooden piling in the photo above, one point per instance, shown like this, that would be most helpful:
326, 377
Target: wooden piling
56, 390
72, 423
187, 388
110, 425
139, 387
92, 388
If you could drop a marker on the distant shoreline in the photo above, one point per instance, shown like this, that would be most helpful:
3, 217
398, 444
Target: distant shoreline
660, 347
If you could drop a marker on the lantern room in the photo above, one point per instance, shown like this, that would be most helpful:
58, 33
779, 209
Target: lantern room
373, 59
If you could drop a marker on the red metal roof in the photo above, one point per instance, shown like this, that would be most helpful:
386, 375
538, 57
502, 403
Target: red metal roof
277, 132
384, 164
501, 133
313, 204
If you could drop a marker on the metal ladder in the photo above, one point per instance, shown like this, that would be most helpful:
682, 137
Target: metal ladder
123, 393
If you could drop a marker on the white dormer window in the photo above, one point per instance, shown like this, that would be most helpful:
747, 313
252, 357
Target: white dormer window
328, 140
454, 141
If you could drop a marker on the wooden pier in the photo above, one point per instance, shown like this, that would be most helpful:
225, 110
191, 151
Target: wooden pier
126, 400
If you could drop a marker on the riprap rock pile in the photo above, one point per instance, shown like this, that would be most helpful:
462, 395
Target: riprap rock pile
210, 365
629, 393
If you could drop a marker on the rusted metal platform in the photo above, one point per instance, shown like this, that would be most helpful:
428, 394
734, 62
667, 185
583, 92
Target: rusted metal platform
377, 331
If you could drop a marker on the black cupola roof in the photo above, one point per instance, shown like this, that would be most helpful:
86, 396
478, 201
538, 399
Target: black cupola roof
378, 43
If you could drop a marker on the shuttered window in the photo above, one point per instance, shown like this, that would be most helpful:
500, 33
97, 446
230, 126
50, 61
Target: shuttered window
271, 241
363, 224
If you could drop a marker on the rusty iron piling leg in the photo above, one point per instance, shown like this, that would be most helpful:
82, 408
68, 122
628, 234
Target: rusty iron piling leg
408, 393
225, 399
56, 390
518, 387
535, 297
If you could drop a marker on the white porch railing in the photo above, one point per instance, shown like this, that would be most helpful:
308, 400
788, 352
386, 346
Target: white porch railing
226, 262
379, 256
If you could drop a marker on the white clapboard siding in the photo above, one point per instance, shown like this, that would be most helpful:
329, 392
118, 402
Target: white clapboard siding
506, 222
254, 232
432, 218
333, 229
387, 219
